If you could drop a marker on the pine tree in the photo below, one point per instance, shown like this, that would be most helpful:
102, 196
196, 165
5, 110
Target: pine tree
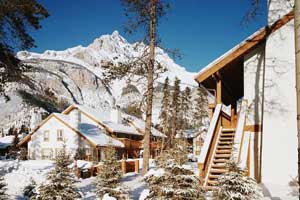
30, 190
16, 19
3, 189
144, 15
200, 111
164, 116
175, 109
234, 185
185, 109
109, 178
172, 179
60, 181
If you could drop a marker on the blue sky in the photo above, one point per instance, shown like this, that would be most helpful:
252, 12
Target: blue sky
201, 30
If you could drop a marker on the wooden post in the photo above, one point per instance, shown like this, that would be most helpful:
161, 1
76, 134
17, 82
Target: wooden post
123, 166
219, 91
233, 115
201, 167
136, 166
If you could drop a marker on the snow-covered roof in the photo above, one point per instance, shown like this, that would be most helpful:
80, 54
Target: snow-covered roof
6, 141
140, 124
242, 48
91, 132
97, 136
104, 117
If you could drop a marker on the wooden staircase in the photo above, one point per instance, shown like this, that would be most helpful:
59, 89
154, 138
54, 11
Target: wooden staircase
221, 156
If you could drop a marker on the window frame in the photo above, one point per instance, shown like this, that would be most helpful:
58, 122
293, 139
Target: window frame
60, 135
46, 136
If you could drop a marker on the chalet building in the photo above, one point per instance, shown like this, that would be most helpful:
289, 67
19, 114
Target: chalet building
256, 79
86, 132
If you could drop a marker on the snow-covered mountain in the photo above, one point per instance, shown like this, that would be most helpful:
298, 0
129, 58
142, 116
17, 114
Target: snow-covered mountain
75, 75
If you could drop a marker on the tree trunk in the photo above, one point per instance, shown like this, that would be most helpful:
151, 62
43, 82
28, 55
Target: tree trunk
146, 153
297, 65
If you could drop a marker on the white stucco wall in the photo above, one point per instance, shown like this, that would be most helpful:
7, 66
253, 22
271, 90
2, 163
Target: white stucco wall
279, 123
37, 142
269, 77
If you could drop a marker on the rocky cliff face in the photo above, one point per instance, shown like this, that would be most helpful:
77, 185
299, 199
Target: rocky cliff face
75, 75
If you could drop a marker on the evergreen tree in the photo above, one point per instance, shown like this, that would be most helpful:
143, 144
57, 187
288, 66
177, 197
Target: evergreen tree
60, 181
200, 111
185, 109
109, 178
234, 185
175, 109
164, 116
172, 179
3, 189
30, 190
144, 15
16, 19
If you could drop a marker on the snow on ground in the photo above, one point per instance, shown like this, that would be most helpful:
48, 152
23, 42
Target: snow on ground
18, 174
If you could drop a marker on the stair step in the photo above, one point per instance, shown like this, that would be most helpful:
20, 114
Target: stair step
220, 160
218, 171
227, 134
210, 188
228, 130
224, 147
222, 155
222, 151
224, 143
211, 176
213, 183
218, 165
225, 139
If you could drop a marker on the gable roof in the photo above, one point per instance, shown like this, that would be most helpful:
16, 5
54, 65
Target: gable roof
102, 117
91, 134
243, 48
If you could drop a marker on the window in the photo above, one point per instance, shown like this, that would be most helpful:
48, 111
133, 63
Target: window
46, 136
59, 135
46, 153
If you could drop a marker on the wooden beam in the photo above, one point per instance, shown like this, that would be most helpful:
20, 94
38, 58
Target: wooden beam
244, 47
253, 128
219, 91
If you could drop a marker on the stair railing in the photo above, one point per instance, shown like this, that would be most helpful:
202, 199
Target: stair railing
210, 142
213, 154
239, 133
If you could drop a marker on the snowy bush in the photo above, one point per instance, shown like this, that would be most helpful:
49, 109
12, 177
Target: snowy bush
60, 181
234, 185
3, 189
30, 190
172, 179
109, 178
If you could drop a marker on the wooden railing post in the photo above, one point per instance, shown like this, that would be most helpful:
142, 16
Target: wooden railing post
136, 166
201, 170
123, 166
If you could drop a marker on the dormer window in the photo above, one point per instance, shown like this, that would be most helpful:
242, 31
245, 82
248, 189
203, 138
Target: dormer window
60, 135
46, 136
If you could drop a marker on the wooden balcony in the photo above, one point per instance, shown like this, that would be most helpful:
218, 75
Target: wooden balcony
131, 144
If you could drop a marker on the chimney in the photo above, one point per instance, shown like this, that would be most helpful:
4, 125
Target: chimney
75, 118
115, 115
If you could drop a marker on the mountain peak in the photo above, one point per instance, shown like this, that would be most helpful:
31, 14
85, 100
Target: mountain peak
115, 33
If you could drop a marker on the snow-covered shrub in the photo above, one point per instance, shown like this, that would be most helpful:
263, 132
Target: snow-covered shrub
23, 154
30, 190
3, 189
172, 179
234, 185
109, 178
177, 154
60, 181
